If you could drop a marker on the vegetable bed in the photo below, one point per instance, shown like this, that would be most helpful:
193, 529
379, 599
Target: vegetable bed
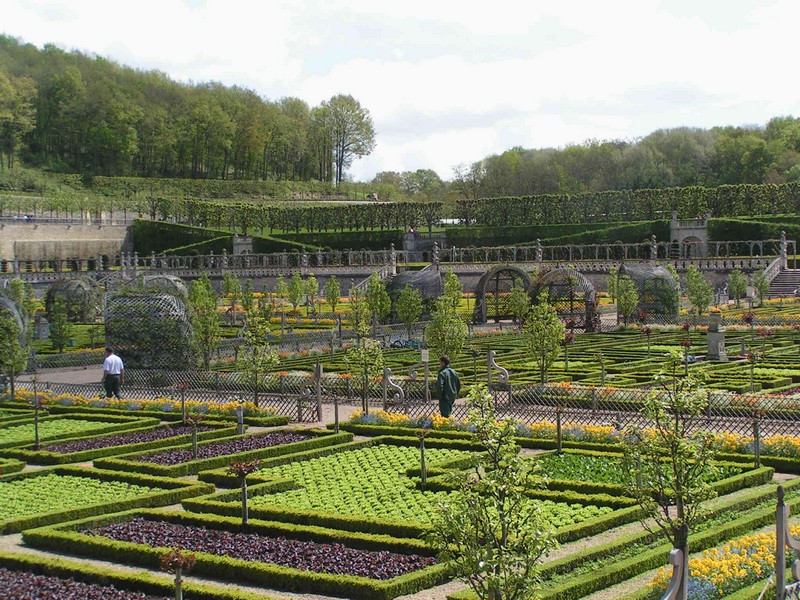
66, 426
20, 584
336, 559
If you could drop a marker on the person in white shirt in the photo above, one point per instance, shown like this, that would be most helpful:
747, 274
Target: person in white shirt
113, 373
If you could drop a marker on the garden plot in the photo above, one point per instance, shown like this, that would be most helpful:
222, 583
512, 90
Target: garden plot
371, 486
290, 557
87, 448
54, 495
179, 460
66, 426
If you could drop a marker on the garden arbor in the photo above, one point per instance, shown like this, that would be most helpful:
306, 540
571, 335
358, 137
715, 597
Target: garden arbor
494, 291
658, 289
572, 295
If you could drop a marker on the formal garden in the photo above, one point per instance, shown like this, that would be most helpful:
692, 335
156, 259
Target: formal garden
284, 439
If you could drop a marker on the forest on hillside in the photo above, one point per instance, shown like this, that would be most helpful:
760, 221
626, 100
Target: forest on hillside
70, 112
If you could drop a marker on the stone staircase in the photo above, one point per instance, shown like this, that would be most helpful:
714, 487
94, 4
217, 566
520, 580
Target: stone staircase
785, 284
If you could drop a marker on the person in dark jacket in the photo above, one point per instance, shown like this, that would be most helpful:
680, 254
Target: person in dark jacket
448, 386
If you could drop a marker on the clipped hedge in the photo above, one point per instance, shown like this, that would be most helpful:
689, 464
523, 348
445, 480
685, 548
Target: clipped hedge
44, 457
347, 240
127, 462
137, 582
68, 537
173, 491
10, 465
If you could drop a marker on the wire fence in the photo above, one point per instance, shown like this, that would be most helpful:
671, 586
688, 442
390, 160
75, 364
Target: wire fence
302, 395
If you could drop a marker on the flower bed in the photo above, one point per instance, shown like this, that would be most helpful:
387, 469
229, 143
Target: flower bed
336, 559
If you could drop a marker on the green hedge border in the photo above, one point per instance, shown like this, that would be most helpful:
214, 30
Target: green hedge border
44, 457
172, 491
137, 582
64, 409
319, 438
10, 465
68, 538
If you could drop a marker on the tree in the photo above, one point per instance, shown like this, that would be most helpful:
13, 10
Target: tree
543, 332
61, 329
446, 333
669, 462
409, 307
360, 312
490, 532
453, 293
312, 291
611, 284
248, 296
698, 290
17, 114
365, 359
258, 358
206, 322
737, 285
241, 469
378, 298
281, 290
519, 301
351, 132
232, 288
296, 291
333, 291
627, 297
760, 286
13, 354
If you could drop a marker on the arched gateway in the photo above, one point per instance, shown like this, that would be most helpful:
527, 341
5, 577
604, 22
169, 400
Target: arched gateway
493, 291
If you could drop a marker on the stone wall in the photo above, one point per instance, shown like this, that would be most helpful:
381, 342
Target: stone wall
47, 241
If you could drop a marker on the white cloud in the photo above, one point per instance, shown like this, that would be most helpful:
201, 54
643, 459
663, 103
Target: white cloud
452, 81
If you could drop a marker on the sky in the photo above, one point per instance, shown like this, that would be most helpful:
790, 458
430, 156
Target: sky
451, 82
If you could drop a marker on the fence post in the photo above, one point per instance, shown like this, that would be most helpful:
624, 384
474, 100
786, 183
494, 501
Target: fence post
757, 440
780, 546
336, 413
318, 383
559, 436
239, 419
594, 399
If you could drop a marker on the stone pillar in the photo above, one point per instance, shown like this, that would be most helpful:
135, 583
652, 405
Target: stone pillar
538, 250
784, 261
393, 259
716, 340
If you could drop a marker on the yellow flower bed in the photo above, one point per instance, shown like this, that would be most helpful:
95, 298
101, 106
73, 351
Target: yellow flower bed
157, 405
727, 568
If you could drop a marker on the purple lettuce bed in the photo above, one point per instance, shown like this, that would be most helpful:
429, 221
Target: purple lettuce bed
335, 559
221, 448
24, 585
135, 437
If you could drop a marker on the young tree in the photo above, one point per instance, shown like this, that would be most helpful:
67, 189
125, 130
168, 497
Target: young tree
281, 290
627, 298
248, 296
761, 286
365, 359
446, 333
312, 291
409, 307
670, 461
543, 332
737, 285
453, 293
232, 288
333, 291
13, 353
698, 290
360, 312
378, 298
519, 302
242, 469
174, 561
259, 357
611, 284
296, 290
490, 532
206, 322
61, 329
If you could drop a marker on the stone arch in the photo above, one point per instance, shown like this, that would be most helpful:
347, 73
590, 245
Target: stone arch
493, 287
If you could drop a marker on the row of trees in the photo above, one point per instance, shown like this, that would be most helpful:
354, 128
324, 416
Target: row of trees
86, 114
665, 158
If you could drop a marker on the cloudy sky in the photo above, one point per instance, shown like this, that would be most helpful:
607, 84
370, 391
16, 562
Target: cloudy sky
450, 82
